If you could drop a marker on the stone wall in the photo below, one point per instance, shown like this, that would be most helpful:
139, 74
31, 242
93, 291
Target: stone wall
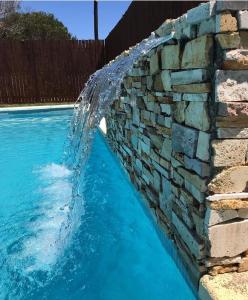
180, 129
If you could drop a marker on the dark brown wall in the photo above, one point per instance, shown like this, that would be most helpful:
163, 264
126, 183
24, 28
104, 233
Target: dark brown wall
46, 71
141, 18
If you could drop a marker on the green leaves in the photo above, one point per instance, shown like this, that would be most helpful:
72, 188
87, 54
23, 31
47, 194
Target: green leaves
33, 26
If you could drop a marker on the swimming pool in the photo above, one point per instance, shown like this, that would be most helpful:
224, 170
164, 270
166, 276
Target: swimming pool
107, 249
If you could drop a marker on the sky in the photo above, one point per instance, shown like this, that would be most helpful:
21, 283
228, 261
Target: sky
77, 16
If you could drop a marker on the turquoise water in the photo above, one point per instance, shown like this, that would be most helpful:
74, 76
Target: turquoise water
106, 248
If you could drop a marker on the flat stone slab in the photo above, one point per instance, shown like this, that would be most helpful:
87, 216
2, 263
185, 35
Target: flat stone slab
232, 133
229, 152
197, 53
184, 140
228, 239
186, 77
231, 86
229, 286
231, 180
217, 197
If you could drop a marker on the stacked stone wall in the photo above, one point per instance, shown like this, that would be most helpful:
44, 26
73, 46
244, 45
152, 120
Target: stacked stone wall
180, 129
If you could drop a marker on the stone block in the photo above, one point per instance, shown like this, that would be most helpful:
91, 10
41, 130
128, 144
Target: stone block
166, 80
198, 53
177, 179
194, 179
243, 19
232, 133
231, 152
196, 115
156, 140
191, 241
158, 84
149, 82
196, 97
166, 149
166, 108
232, 180
203, 146
197, 88
213, 217
164, 163
231, 86
199, 225
216, 270
228, 239
233, 122
176, 162
136, 116
243, 39
164, 121
234, 109
231, 5
198, 195
222, 261
201, 168
184, 140
177, 97
156, 181
166, 198
186, 77
225, 22
200, 13
224, 286
154, 64
161, 170
235, 60
235, 204
178, 111
207, 26
145, 147
228, 40
170, 57
243, 213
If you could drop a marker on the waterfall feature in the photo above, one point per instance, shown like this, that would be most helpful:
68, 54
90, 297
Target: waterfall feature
102, 88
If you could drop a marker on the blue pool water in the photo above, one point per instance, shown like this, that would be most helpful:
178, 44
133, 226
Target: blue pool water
107, 249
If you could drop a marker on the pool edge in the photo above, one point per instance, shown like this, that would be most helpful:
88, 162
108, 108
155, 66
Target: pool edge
37, 108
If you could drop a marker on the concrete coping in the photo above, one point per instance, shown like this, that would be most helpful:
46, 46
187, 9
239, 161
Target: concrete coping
37, 107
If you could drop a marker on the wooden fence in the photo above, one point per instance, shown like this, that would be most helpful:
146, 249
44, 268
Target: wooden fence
141, 18
55, 71
46, 71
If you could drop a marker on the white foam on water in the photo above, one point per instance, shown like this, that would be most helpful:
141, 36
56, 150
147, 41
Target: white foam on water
52, 230
54, 171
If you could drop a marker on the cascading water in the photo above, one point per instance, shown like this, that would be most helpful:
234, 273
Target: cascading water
102, 88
